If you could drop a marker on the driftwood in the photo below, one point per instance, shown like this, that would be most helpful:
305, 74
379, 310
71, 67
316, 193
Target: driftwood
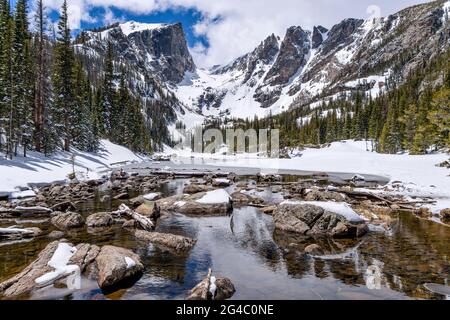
145, 222
205, 293
25, 210
369, 195
13, 233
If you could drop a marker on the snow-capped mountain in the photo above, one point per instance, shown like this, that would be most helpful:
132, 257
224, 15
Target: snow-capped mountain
301, 67
304, 66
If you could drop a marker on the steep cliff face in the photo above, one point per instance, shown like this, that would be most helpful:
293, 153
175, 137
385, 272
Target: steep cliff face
155, 58
308, 67
299, 68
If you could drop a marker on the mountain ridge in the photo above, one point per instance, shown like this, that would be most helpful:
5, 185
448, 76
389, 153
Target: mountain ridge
304, 67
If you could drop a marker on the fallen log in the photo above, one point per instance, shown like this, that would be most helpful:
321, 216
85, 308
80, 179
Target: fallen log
13, 233
144, 222
25, 210
205, 292
374, 196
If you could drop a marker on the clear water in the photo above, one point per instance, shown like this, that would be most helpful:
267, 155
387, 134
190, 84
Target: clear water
262, 263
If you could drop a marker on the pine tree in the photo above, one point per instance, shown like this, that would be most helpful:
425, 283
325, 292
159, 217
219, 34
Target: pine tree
63, 80
6, 101
439, 117
109, 92
22, 88
122, 114
43, 132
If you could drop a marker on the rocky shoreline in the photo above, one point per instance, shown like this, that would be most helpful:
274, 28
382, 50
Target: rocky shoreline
312, 208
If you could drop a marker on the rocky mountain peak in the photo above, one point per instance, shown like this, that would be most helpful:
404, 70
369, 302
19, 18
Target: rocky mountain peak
292, 56
341, 34
157, 48
318, 36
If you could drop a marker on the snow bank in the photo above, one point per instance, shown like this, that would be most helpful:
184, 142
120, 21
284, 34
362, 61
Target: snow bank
212, 286
37, 168
59, 262
151, 196
339, 208
130, 262
216, 196
132, 26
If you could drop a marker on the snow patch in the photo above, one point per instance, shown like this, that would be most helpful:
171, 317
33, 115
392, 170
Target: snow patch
130, 262
132, 27
151, 196
339, 208
215, 197
59, 262
212, 286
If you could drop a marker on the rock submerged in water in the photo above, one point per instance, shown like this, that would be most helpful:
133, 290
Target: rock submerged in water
170, 241
445, 216
196, 188
314, 250
99, 220
25, 282
314, 220
316, 195
64, 206
117, 266
211, 203
112, 266
243, 198
212, 288
67, 220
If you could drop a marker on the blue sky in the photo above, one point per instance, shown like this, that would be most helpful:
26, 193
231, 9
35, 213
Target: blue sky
221, 30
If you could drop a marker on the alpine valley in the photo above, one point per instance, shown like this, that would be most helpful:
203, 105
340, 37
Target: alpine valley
300, 70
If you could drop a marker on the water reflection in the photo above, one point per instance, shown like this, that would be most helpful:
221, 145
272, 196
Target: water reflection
262, 263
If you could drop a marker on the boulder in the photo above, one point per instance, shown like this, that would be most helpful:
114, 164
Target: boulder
224, 289
217, 202
170, 241
56, 235
150, 210
67, 220
445, 216
424, 213
136, 202
313, 220
24, 282
317, 195
221, 183
268, 210
84, 256
117, 266
196, 188
99, 220
212, 288
240, 197
314, 250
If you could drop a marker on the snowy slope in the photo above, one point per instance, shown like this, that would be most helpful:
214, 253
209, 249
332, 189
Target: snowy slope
418, 175
39, 169
132, 26
347, 58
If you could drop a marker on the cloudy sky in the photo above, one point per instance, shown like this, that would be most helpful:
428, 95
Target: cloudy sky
221, 30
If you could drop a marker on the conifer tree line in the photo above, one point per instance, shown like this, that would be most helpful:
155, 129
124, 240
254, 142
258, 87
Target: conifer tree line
47, 102
413, 116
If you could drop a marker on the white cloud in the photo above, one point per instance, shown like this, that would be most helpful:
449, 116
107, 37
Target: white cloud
234, 27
